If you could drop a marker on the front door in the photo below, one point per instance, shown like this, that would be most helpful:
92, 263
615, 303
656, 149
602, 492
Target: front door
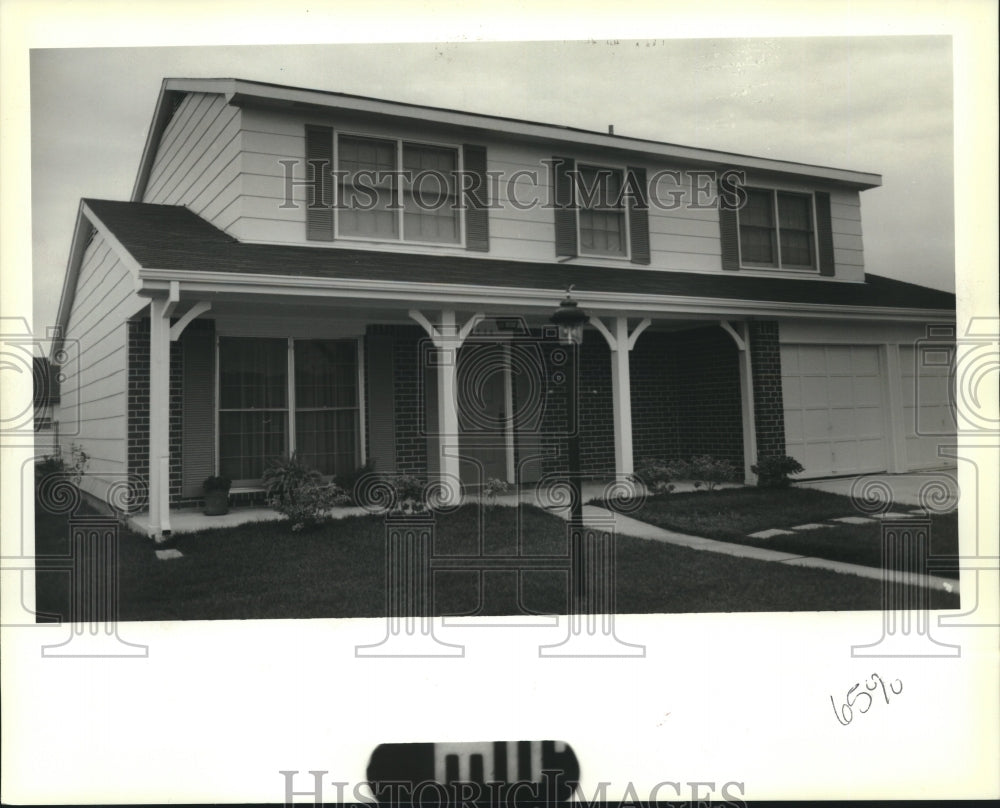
484, 411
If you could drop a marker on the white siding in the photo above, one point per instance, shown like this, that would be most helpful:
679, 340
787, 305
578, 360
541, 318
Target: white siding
93, 396
682, 238
198, 163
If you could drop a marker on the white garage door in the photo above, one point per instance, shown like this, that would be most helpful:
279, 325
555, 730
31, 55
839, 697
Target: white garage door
927, 416
834, 415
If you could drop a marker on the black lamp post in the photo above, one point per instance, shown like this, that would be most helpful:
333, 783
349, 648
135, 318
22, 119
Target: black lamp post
570, 319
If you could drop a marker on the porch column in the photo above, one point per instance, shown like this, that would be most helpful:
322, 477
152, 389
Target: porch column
159, 415
621, 343
447, 338
742, 340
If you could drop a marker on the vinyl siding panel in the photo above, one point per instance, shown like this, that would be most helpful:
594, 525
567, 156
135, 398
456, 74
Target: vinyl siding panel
92, 410
198, 163
684, 237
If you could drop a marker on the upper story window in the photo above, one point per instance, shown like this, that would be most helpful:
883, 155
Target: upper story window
391, 189
776, 230
600, 211
381, 201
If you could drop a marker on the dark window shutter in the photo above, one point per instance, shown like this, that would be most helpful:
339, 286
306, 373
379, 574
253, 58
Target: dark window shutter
319, 199
565, 209
477, 214
198, 414
824, 234
638, 215
381, 402
729, 234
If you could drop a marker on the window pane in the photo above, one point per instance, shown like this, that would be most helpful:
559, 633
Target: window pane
794, 212
757, 245
758, 210
429, 211
602, 218
368, 199
253, 373
248, 441
796, 248
326, 400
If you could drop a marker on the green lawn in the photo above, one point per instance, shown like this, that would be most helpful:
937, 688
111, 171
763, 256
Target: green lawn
733, 513
266, 571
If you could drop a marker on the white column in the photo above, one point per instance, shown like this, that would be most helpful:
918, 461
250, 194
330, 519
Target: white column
447, 345
159, 415
621, 393
746, 405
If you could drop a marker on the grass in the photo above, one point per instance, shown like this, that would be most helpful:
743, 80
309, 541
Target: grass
733, 513
264, 570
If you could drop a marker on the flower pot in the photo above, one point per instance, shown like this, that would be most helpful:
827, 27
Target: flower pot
216, 503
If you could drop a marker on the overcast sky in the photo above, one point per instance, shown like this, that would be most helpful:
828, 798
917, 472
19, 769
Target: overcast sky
879, 104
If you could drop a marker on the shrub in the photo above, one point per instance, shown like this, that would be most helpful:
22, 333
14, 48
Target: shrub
772, 472
409, 494
656, 475
298, 492
493, 488
709, 471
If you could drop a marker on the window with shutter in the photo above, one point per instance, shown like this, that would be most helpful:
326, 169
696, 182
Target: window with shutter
600, 211
779, 230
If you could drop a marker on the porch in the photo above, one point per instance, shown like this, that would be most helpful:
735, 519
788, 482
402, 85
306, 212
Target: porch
454, 395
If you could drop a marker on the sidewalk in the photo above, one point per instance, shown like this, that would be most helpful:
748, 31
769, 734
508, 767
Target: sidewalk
596, 517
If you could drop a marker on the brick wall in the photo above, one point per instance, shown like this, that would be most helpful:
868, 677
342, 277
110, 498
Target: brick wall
654, 398
765, 356
411, 438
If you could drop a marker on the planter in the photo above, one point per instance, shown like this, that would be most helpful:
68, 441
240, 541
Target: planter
216, 503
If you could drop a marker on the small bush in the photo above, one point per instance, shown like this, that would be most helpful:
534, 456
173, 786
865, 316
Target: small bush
298, 492
772, 472
409, 494
709, 471
656, 475
494, 488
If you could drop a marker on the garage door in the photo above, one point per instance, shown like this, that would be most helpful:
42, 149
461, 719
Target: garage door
927, 416
834, 414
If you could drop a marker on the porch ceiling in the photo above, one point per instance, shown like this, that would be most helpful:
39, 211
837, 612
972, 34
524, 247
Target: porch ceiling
166, 240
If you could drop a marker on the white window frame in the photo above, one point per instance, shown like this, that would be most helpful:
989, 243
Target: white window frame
627, 254
360, 450
398, 191
779, 266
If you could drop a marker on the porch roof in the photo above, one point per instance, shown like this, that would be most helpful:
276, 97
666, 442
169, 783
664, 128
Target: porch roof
173, 238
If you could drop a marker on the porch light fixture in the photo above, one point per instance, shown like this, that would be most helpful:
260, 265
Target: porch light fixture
570, 319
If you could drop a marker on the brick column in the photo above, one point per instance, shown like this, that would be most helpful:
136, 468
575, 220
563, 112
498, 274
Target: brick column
769, 416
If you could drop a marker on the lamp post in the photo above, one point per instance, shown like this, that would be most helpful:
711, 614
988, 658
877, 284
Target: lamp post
570, 319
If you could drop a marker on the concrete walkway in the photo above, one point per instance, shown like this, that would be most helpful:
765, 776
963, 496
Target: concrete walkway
627, 526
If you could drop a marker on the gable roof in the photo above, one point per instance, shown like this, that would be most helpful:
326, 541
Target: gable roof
170, 240
240, 92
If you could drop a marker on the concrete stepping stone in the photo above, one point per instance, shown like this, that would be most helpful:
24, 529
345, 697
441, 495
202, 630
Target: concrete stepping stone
770, 533
811, 526
897, 515
166, 555
853, 520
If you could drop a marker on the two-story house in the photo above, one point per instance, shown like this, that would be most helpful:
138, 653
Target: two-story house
358, 280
